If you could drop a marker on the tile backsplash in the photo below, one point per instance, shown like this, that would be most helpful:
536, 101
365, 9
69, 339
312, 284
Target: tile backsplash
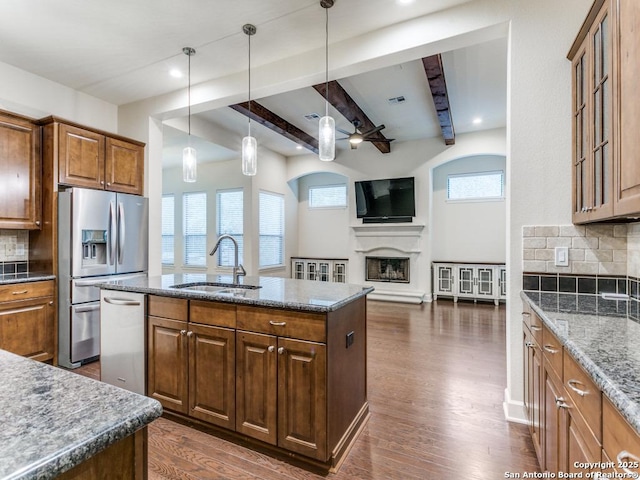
14, 251
593, 249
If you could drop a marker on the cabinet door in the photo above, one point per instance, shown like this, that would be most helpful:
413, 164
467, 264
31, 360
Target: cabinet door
26, 328
20, 175
212, 379
465, 280
167, 363
533, 388
484, 280
628, 72
581, 138
302, 397
124, 166
297, 270
80, 157
340, 272
324, 271
256, 386
551, 425
445, 280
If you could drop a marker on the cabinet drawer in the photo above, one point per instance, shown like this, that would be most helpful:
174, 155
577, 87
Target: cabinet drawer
283, 323
620, 441
584, 394
526, 314
20, 291
535, 325
212, 313
167, 307
552, 351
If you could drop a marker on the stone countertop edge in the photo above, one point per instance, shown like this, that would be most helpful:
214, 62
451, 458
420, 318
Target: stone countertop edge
10, 278
629, 409
194, 295
21, 458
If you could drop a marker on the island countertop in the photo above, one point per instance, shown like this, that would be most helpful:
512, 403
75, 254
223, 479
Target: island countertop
53, 420
601, 336
277, 292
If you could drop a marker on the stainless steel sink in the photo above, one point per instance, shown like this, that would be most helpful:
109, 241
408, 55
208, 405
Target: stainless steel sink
217, 287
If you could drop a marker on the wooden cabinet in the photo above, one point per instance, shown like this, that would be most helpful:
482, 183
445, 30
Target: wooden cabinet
533, 380
474, 281
281, 382
606, 113
620, 442
94, 159
321, 269
191, 367
27, 320
20, 173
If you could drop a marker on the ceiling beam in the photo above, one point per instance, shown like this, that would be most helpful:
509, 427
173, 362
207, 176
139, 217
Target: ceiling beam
266, 117
438, 85
342, 101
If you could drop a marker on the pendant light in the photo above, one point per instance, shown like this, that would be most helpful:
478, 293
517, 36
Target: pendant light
327, 125
249, 144
189, 157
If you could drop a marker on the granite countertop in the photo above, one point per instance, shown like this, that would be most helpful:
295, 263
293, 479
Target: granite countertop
287, 293
602, 338
53, 420
9, 278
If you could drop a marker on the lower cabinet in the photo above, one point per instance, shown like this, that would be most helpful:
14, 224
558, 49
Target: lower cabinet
533, 381
27, 320
320, 269
474, 281
261, 372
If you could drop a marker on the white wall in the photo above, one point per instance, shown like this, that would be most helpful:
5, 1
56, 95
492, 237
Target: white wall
322, 232
473, 231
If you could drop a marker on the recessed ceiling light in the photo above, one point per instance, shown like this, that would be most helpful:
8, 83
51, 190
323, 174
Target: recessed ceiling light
477, 121
298, 147
404, 2
175, 73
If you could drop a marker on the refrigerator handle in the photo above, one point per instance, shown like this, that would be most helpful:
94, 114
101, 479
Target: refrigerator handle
112, 229
121, 232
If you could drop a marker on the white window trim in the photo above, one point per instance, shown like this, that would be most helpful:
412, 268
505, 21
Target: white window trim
477, 199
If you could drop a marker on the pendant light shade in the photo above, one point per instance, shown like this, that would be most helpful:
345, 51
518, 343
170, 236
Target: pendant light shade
249, 143
189, 155
327, 125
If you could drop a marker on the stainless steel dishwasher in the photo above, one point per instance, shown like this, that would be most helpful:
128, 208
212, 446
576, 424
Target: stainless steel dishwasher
122, 339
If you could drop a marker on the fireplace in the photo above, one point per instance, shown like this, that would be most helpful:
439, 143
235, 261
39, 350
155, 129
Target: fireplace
387, 269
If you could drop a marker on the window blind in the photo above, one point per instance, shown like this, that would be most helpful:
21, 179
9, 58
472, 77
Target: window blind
168, 225
194, 213
271, 229
230, 208
476, 186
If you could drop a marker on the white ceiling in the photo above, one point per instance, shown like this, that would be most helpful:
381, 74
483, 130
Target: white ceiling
122, 50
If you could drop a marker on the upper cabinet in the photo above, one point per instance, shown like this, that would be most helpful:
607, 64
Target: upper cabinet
20, 173
93, 159
605, 168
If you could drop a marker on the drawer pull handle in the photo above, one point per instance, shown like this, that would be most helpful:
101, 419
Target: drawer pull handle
277, 324
528, 345
572, 385
550, 349
121, 301
21, 292
537, 328
626, 457
526, 314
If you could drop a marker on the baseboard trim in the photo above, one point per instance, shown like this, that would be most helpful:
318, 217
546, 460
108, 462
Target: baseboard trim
402, 297
513, 410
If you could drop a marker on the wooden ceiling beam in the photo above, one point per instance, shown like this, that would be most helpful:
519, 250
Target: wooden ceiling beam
342, 101
438, 85
266, 117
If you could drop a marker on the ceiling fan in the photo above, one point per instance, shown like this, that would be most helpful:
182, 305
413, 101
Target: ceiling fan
355, 138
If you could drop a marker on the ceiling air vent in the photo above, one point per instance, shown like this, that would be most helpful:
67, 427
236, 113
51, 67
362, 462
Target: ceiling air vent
395, 100
312, 116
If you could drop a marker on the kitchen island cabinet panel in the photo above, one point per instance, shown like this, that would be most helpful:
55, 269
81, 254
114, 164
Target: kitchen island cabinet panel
167, 363
302, 397
20, 173
283, 323
256, 386
212, 375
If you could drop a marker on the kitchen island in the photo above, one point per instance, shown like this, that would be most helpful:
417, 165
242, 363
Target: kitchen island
60, 424
275, 363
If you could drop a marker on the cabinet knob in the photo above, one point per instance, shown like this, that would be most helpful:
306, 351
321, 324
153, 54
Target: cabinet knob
528, 344
189, 333
183, 332
108, 184
101, 182
38, 222
281, 350
51, 302
271, 348
560, 403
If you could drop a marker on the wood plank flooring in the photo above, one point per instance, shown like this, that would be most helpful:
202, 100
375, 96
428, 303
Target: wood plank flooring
436, 382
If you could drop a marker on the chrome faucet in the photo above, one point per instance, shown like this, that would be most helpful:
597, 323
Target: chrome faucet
238, 269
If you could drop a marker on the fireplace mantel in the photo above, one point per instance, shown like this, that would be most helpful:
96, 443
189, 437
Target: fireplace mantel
388, 229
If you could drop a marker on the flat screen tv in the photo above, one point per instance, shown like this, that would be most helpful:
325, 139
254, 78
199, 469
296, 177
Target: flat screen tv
386, 200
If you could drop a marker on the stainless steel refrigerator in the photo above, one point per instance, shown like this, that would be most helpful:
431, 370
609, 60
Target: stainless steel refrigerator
102, 236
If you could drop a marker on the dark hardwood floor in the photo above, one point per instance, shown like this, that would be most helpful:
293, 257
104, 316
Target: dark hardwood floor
436, 382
